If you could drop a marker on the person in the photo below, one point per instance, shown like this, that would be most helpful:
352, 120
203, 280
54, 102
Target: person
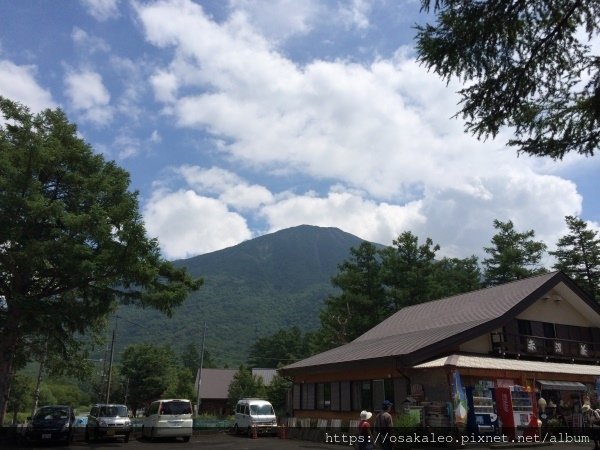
593, 420
365, 441
384, 425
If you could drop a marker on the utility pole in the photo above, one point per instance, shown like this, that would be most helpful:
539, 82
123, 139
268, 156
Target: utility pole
200, 372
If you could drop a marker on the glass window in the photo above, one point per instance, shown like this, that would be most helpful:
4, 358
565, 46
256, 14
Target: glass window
324, 396
176, 407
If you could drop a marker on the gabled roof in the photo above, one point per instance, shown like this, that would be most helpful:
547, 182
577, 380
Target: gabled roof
423, 331
215, 383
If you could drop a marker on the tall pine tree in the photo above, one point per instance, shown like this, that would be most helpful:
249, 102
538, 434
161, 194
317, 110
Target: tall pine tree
513, 255
578, 255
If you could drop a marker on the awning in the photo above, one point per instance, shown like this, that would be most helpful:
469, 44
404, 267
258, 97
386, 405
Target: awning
562, 385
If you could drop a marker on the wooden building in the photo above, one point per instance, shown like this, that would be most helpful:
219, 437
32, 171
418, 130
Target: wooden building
540, 334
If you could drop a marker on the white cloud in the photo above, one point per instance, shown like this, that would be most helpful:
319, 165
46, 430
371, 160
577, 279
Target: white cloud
102, 10
376, 222
188, 224
356, 14
91, 44
89, 96
230, 188
280, 19
18, 83
381, 129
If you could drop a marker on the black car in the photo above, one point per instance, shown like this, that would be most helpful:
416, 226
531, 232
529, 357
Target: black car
52, 423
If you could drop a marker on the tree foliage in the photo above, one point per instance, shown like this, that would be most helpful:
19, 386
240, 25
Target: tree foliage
282, 347
513, 255
578, 255
72, 241
149, 370
375, 283
244, 384
527, 64
362, 301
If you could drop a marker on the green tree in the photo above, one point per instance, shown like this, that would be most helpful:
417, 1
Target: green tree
284, 346
183, 384
72, 241
244, 384
362, 302
578, 255
277, 393
455, 276
409, 270
148, 370
191, 358
513, 255
526, 64
21, 394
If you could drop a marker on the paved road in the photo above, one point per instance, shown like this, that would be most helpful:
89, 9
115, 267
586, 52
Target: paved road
225, 441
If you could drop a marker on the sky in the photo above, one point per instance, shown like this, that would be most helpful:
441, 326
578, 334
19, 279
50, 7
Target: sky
243, 117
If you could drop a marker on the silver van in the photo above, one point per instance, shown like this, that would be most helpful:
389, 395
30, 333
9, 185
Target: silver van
169, 418
255, 414
108, 421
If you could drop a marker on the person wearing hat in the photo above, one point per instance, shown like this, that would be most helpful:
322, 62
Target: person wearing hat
365, 441
384, 425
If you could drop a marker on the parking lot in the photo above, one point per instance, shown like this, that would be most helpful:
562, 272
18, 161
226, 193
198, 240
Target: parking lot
226, 441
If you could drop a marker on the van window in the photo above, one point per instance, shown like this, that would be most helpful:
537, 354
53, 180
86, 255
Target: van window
246, 409
176, 407
113, 411
153, 408
261, 410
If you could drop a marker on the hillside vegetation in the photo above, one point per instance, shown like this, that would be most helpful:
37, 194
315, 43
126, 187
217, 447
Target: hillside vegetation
250, 290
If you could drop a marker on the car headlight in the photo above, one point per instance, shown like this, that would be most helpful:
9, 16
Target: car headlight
102, 423
66, 426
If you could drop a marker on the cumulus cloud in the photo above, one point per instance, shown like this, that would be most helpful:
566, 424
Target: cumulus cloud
89, 96
18, 83
188, 224
229, 187
90, 44
102, 10
381, 129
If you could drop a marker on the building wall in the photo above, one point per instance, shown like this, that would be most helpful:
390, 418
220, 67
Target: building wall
555, 312
481, 344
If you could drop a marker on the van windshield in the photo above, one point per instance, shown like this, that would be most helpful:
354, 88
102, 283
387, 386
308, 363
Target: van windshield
176, 407
261, 410
113, 411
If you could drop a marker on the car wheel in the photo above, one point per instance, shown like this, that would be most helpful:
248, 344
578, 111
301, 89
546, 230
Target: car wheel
236, 429
126, 439
186, 439
86, 437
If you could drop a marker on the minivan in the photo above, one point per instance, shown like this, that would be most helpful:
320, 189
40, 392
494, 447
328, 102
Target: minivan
169, 418
108, 420
255, 413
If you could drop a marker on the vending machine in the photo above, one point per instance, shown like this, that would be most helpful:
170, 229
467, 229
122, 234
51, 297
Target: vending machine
515, 410
482, 418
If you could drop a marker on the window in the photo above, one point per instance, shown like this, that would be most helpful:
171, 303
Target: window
324, 396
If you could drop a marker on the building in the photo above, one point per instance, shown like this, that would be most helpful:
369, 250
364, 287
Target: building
214, 388
540, 334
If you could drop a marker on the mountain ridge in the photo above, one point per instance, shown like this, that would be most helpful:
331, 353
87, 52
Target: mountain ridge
250, 290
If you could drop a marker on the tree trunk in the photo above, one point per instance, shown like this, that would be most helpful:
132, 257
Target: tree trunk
8, 345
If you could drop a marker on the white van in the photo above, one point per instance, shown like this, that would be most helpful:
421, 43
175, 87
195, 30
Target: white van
169, 418
255, 412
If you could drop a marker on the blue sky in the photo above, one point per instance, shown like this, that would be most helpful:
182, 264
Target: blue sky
239, 118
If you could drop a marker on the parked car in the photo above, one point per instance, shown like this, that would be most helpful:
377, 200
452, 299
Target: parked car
108, 421
255, 413
169, 418
51, 423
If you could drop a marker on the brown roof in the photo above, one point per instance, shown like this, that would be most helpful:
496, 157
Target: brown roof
421, 331
215, 383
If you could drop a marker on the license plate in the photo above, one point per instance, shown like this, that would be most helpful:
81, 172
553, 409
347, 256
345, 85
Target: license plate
46, 436
110, 433
175, 423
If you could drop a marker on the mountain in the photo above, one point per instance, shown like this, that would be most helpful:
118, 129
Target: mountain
250, 290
